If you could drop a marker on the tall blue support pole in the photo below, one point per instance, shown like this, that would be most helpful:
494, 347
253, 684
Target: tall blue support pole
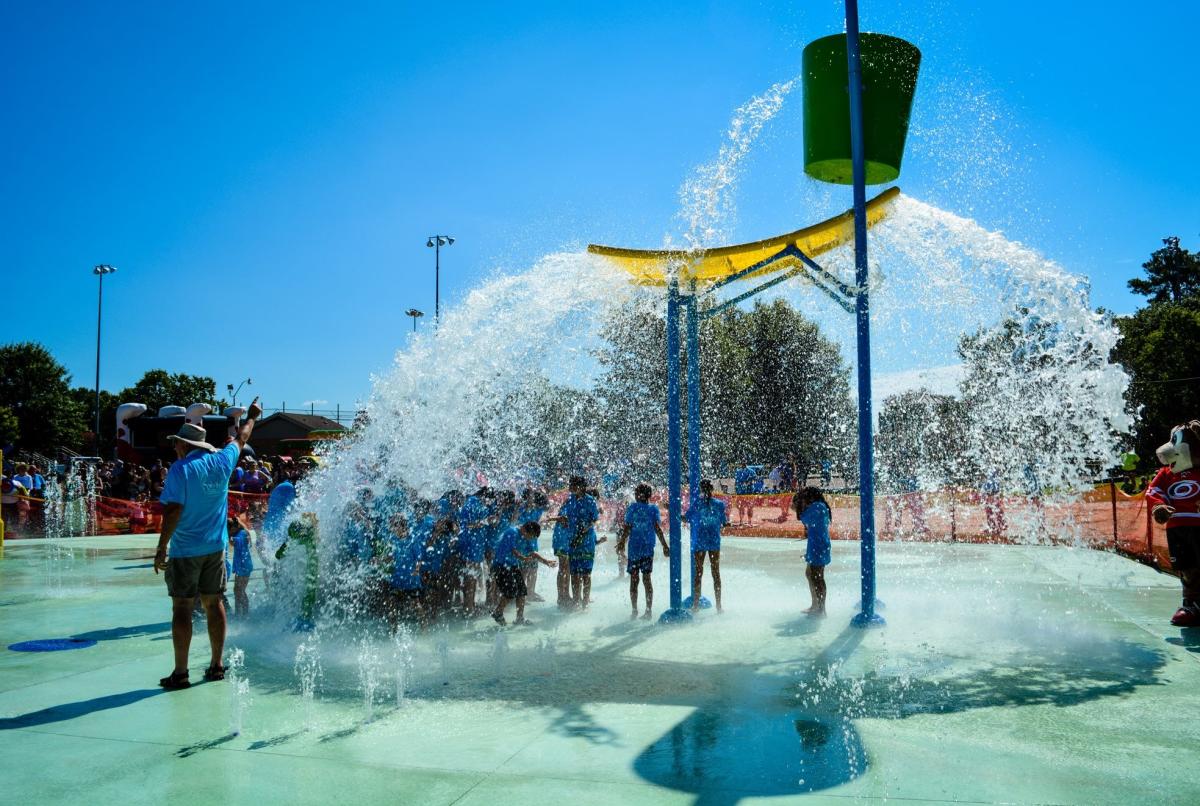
693, 404
674, 456
866, 445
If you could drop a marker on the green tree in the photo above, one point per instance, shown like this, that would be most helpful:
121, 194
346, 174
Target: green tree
10, 428
35, 389
921, 439
1172, 275
158, 388
1158, 350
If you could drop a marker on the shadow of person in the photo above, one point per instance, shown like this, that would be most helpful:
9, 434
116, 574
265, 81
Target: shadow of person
72, 710
1188, 638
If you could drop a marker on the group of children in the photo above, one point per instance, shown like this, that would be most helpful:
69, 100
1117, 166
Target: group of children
433, 559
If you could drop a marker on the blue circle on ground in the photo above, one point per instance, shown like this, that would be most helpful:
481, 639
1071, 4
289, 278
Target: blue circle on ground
51, 645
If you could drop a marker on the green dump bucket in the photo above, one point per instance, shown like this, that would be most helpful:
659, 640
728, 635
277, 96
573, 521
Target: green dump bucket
889, 72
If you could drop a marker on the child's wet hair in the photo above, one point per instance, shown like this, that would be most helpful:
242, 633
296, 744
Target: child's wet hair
643, 491
531, 528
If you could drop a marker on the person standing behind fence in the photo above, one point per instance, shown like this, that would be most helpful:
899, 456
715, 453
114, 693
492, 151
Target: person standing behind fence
191, 548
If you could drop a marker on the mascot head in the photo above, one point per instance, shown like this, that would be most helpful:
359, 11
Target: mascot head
1184, 448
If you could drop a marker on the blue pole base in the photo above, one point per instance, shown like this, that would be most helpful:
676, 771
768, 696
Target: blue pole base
705, 604
879, 605
864, 621
675, 615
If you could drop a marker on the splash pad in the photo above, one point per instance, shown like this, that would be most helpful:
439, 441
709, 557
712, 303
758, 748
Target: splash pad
1024, 673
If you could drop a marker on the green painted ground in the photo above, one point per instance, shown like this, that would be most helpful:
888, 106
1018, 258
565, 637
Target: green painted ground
1013, 675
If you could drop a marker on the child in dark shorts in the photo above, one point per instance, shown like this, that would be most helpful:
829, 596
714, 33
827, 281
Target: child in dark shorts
641, 525
506, 569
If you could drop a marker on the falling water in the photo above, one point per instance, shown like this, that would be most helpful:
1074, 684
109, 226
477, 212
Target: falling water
402, 661
239, 689
307, 668
370, 667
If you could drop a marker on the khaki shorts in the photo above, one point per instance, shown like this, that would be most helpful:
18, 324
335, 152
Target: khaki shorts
188, 577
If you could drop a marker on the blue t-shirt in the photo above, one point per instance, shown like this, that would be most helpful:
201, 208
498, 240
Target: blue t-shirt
243, 564
561, 541
508, 543
25, 480
432, 557
527, 514
743, 481
710, 517
406, 553
815, 518
200, 482
473, 541
281, 498
641, 518
582, 513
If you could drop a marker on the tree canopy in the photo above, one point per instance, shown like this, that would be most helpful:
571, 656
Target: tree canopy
35, 391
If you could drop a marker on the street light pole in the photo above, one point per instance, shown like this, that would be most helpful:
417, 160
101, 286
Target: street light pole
414, 313
234, 392
436, 242
99, 270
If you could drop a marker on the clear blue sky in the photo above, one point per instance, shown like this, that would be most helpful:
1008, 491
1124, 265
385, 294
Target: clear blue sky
265, 175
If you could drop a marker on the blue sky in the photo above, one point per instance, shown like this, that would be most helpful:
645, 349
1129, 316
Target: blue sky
265, 175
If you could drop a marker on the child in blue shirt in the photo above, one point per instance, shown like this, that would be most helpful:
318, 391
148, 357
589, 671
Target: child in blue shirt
642, 524
561, 546
579, 514
243, 564
506, 568
706, 517
813, 511
405, 573
531, 509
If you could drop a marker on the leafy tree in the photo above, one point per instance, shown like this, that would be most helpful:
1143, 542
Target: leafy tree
1158, 350
921, 439
772, 387
1173, 274
10, 429
35, 390
158, 388
1033, 403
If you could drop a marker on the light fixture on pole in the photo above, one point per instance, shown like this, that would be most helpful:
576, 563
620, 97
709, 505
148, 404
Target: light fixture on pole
99, 270
234, 392
415, 314
436, 242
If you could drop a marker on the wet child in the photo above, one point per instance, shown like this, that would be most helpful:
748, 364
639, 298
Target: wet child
707, 516
404, 583
580, 512
506, 568
561, 546
472, 543
813, 511
642, 524
531, 510
241, 536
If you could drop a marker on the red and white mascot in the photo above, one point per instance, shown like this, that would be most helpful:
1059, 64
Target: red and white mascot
1174, 499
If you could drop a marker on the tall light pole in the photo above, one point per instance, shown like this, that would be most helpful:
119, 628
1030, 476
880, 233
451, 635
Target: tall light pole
436, 242
415, 314
234, 392
99, 270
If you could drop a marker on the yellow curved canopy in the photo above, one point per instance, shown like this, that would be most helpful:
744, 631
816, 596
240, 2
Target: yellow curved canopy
651, 266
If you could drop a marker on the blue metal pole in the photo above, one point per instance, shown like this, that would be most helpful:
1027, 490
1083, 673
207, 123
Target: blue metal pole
674, 452
693, 403
866, 446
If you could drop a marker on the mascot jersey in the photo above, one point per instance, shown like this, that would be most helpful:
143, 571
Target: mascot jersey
1181, 491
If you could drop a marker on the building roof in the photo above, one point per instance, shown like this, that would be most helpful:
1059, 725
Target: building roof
312, 422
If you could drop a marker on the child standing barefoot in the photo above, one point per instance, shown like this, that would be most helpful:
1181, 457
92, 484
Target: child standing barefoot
709, 516
642, 524
813, 511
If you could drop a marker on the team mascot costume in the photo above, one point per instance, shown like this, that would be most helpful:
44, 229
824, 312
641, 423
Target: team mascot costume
1174, 499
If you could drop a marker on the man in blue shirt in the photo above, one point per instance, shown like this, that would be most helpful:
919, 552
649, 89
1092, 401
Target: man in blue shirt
195, 502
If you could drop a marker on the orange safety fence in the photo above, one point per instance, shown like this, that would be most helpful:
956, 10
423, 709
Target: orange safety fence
1103, 518
100, 515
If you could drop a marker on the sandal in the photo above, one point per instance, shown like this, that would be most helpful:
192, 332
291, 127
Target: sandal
214, 673
175, 681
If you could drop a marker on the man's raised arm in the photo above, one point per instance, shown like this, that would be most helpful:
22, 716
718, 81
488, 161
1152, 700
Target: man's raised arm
247, 427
